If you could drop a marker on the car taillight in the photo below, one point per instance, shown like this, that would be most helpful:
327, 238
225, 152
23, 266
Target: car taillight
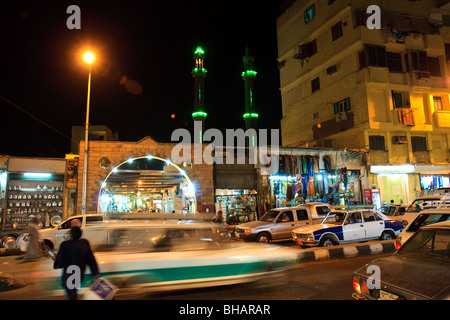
360, 285
398, 243
356, 284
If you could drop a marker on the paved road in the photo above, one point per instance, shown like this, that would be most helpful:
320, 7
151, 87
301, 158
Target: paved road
317, 280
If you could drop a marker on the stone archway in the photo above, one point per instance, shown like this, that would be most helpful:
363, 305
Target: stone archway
106, 155
147, 184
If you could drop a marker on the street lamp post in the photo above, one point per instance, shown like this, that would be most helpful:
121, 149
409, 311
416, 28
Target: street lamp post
88, 58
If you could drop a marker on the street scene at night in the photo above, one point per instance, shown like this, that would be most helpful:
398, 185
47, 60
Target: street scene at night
225, 158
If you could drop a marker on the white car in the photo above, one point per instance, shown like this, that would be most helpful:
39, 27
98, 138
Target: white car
170, 256
423, 218
422, 203
394, 211
53, 237
341, 227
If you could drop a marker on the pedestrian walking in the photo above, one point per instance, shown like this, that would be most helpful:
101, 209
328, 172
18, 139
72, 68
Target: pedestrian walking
34, 246
73, 256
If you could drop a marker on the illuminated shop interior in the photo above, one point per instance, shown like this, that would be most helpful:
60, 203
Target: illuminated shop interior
147, 184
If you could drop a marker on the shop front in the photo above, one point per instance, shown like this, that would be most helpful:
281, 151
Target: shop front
404, 183
33, 187
235, 191
147, 184
432, 177
304, 176
395, 182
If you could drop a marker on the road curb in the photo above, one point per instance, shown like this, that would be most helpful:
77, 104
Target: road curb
346, 251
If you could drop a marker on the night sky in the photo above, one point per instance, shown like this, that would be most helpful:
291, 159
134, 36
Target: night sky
151, 42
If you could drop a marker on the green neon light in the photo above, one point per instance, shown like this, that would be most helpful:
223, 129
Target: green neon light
199, 114
199, 50
249, 73
250, 115
197, 70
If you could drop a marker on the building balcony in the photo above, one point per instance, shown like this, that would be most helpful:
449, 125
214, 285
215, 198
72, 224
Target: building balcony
442, 119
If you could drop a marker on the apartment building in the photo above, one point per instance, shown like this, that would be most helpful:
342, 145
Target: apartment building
384, 90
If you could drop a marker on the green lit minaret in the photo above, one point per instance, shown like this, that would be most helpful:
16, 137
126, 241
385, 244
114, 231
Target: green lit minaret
249, 76
199, 74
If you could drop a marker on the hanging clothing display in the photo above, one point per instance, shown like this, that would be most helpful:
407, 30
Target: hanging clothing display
311, 178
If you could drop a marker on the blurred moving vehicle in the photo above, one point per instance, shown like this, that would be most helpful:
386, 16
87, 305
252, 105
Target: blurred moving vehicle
277, 224
167, 256
417, 271
424, 218
342, 227
394, 211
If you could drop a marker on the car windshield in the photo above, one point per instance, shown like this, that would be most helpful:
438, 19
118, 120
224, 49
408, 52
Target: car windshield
388, 210
421, 204
336, 217
270, 216
425, 219
429, 243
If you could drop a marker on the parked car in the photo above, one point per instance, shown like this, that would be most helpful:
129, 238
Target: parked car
344, 227
424, 218
53, 237
428, 202
277, 224
394, 211
422, 203
168, 256
417, 271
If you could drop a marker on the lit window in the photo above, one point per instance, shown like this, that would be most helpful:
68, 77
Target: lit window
309, 14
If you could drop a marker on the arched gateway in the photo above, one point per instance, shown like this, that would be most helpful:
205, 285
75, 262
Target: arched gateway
105, 157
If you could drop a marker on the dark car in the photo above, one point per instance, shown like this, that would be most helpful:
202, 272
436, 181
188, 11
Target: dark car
419, 270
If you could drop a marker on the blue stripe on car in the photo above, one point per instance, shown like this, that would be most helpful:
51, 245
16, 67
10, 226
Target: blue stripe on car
393, 224
335, 230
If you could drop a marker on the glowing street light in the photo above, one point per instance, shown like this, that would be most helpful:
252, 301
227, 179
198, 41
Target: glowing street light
89, 58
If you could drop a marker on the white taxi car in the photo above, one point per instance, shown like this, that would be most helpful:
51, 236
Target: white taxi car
166, 256
341, 227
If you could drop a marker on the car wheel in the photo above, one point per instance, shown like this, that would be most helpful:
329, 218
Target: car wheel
45, 247
263, 238
327, 242
387, 235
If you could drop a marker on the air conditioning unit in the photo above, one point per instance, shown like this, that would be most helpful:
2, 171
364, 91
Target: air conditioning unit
298, 52
399, 139
341, 116
424, 75
331, 70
